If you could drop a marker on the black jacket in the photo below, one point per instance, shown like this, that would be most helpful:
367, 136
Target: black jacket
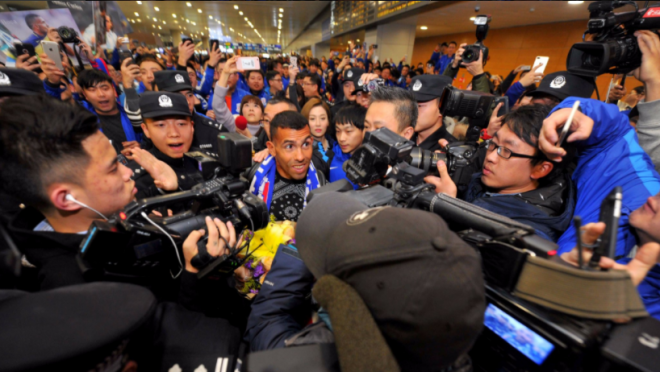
431, 142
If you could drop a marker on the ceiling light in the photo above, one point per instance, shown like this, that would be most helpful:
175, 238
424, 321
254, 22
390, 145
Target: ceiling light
231, 29
473, 18
160, 28
281, 10
199, 10
210, 17
137, 14
132, 21
155, 20
240, 13
177, 22
187, 21
194, 24
139, 20
164, 22
575, 2
235, 6
156, 9
245, 18
139, 3
202, 34
189, 5
173, 15
281, 15
279, 27
424, 28
153, 26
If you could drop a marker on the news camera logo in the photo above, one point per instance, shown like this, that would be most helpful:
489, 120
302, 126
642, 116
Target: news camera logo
164, 101
179, 79
4, 79
417, 86
558, 82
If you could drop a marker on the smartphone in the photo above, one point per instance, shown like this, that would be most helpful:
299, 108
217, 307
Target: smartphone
544, 61
610, 212
186, 38
567, 125
526, 68
52, 50
248, 63
22, 49
375, 46
214, 44
125, 52
294, 61
353, 60
505, 107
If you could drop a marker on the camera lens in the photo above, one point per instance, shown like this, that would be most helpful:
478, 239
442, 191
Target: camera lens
426, 160
591, 60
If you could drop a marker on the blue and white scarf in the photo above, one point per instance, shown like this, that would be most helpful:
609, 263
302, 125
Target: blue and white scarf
264, 181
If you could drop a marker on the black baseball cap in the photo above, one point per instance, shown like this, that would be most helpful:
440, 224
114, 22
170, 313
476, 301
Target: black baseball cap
422, 284
353, 74
563, 84
172, 81
19, 82
156, 104
73, 328
428, 87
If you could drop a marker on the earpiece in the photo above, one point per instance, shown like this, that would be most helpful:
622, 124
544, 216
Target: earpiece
70, 198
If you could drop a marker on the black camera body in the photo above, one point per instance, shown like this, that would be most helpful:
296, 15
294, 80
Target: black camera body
68, 35
456, 155
475, 105
614, 48
379, 150
471, 52
138, 247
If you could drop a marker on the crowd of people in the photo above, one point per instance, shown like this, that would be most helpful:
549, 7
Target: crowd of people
79, 144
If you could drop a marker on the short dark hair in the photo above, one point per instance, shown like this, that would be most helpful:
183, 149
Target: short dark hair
444, 44
247, 74
404, 101
395, 73
270, 75
526, 123
314, 62
301, 75
430, 62
281, 98
639, 89
149, 58
30, 18
377, 68
92, 77
222, 60
42, 145
315, 79
452, 42
287, 120
352, 114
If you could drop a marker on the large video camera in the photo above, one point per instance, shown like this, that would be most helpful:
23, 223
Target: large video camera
614, 48
475, 105
471, 52
137, 246
382, 149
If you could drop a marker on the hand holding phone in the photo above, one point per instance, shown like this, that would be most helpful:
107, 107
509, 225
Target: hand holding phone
567, 125
52, 50
543, 61
294, 61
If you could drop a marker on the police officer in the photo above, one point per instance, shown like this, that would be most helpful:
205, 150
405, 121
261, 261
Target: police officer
168, 125
206, 129
429, 129
348, 84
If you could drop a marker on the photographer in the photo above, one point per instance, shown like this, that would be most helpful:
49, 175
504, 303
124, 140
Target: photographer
58, 163
363, 278
608, 156
284, 179
517, 180
394, 109
206, 130
476, 69
427, 90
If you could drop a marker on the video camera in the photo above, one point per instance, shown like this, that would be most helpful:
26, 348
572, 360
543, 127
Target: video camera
471, 52
519, 334
139, 247
475, 105
614, 48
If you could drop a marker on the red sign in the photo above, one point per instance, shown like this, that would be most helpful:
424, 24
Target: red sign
652, 12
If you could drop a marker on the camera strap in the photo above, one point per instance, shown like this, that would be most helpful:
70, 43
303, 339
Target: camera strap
605, 295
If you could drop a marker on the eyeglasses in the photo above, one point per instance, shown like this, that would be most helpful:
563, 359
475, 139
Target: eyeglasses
505, 153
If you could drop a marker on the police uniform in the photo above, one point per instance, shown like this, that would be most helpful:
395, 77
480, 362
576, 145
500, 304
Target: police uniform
353, 75
159, 104
206, 129
426, 88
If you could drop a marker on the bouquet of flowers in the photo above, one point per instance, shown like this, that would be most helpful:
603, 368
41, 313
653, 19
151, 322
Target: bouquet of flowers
261, 251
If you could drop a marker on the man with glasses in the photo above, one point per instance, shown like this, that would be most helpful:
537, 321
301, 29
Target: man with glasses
274, 79
517, 180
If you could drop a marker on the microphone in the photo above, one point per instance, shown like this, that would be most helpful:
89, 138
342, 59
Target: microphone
241, 122
70, 198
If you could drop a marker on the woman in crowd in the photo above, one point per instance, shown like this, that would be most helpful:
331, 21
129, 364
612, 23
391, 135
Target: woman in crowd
253, 110
318, 116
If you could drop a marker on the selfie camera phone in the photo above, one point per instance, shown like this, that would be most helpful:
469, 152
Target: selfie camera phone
541, 60
52, 50
184, 39
248, 63
610, 212
22, 49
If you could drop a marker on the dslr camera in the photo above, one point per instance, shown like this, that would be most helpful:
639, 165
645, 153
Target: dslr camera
471, 52
474, 105
68, 35
613, 48
138, 247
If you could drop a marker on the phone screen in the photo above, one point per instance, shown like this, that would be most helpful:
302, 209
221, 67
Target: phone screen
248, 63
